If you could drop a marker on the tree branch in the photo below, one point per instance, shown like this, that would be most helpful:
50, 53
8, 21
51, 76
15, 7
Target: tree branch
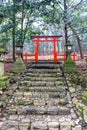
60, 6
74, 7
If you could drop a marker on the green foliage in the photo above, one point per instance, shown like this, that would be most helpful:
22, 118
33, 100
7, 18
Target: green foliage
74, 79
4, 78
84, 82
25, 13
2, 50
85, 95
3, 84
6, 27
78, 79
70, 66
80, 107
4, 81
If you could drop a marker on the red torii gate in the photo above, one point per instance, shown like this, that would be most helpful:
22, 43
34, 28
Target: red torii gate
53, 39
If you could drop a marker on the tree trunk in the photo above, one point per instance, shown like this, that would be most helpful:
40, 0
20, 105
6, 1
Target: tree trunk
22, 20
65, 26
80, 48
13, 33
78, 41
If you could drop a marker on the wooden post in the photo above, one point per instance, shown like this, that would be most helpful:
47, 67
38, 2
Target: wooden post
37, 49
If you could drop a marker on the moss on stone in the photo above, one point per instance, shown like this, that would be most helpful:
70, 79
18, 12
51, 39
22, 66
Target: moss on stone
23, 102
23, 88
59, 74
72, 89
63, 101
3, 84
59, 79
58, 83
56, 71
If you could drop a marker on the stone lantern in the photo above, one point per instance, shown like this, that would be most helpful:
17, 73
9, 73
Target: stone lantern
2, 53
19, 66
19, 49
69, 49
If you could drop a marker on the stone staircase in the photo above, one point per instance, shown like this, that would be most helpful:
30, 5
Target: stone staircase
41, 101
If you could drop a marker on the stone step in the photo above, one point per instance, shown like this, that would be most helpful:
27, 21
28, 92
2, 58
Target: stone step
41, 101
41, 83
51, 92
26, 123
43, 89
32, 110
49, 79
59, 89
37, 83
47, 94
45, 66
48, 111
29, 94
43, 71
41, 62
55, 125
44, 75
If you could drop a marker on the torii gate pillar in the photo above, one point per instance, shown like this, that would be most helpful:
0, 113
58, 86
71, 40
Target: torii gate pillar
55, 54
37, 50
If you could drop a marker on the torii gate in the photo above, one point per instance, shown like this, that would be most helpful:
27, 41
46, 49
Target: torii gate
53, 39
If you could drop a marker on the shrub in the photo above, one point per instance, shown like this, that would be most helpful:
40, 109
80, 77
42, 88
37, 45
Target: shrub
70, 66
74, 79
